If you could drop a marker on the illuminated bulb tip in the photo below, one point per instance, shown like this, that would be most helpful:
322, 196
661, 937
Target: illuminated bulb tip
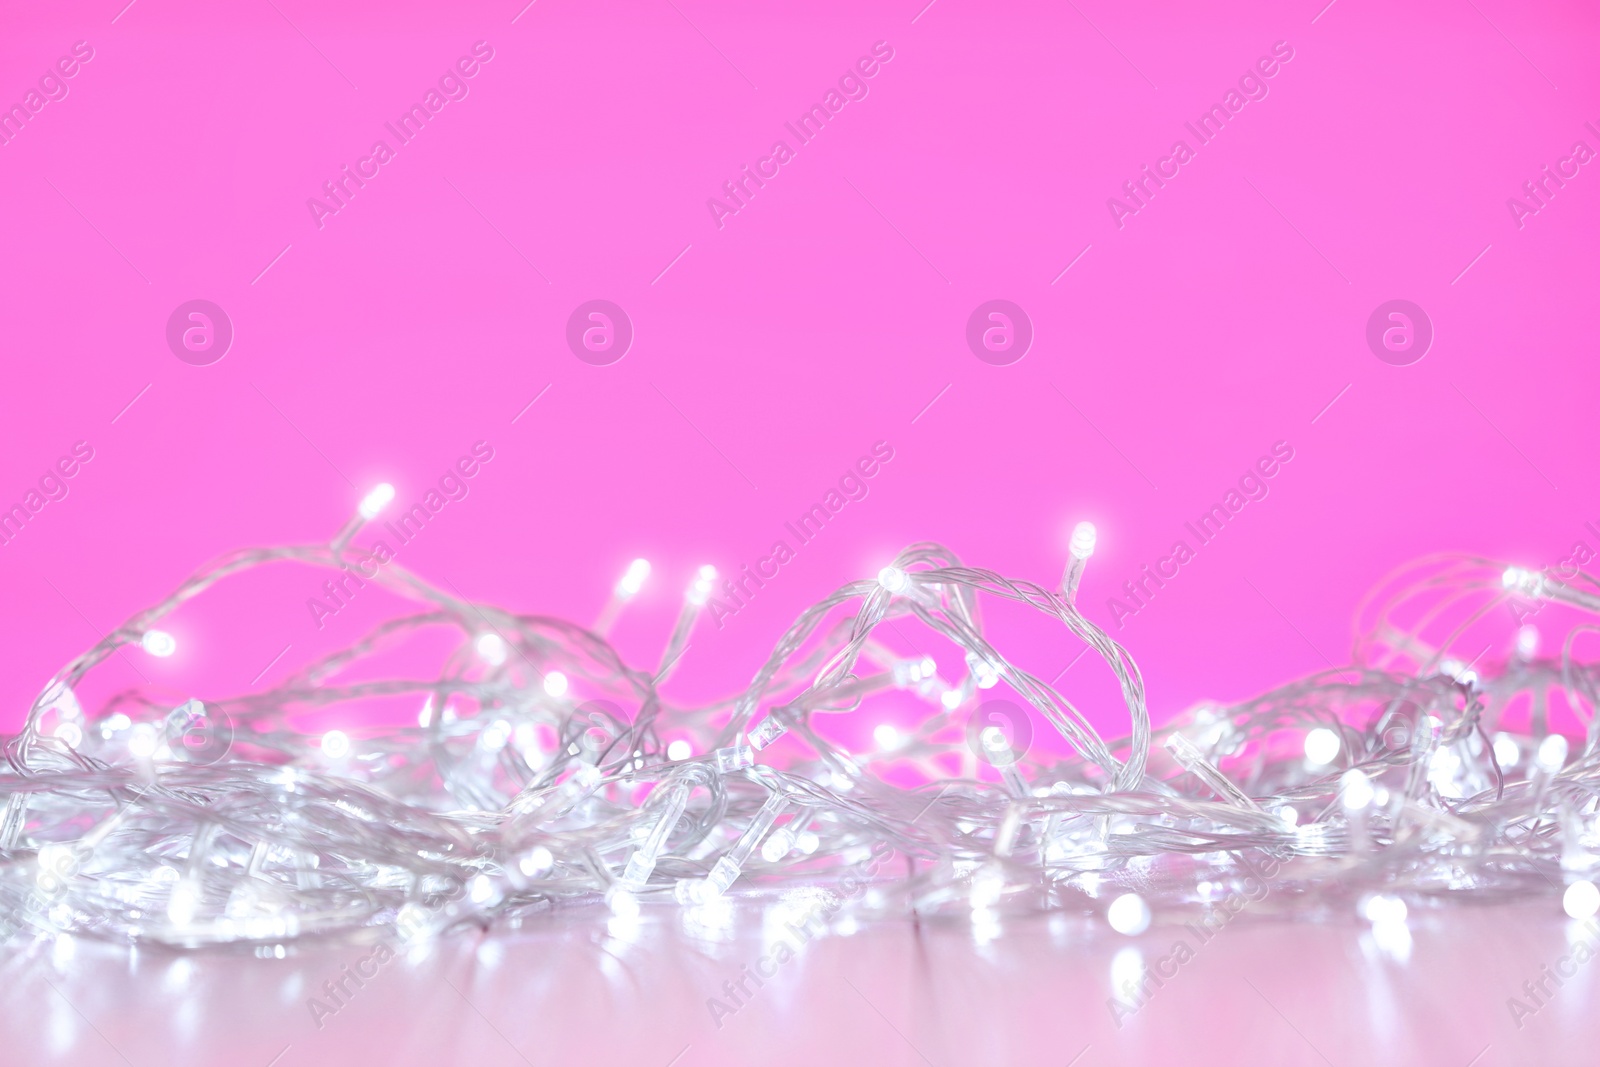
700, 589
555, 684
492, 648
994, 739
183, 904
335, 744
892, 578
1082, 544
158, 643
679, 750
950, 699
1355, 790
777, 845
1507, 752
887, 736
1322, 746
1552, 753
142, 741
623, 904
1129, 914
71, 733
633, 578
1581, 900
1512, 577
1383, 908
373, 503
1528, 641
536, 862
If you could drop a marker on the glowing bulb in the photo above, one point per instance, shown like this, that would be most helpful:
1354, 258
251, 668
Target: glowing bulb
183, 903
633, 578
481, 889
679, 750
994, 739
142, 741
55, 858
1528, 641
1383, 908
536, 862
887, 736
623, 904
988, 885
1082, 544
700, 589
892, 578
494, 738
1322, 746
1129, 914
71, 733
373, 503
158, 643
335, 744
411, 920
1289, 815
1581, 900
1507, 752
492, 648
807, 841
555, 684
777, 845
1529, 583
1355, 790
1552, 753
950, 699
425, 716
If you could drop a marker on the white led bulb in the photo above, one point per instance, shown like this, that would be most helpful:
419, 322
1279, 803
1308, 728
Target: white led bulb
373, 503
633, 578
1082, 544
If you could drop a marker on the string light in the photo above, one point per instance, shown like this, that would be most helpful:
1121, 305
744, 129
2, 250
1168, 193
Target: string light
373, 503
1581, 900
158, 643
1129, 914
626, 589
633, 578
1322, 746
292, 835
492, 647
1079, 548
892, 579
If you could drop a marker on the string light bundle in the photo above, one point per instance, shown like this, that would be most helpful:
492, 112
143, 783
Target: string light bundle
538, 773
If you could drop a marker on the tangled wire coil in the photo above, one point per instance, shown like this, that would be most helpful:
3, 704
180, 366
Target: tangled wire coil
537, 775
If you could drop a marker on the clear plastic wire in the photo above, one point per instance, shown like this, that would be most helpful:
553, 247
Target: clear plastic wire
216, 821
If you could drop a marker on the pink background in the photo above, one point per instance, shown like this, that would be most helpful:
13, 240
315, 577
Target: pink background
823, 317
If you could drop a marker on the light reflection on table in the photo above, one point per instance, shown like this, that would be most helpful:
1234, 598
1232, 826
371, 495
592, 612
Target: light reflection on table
578, 988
